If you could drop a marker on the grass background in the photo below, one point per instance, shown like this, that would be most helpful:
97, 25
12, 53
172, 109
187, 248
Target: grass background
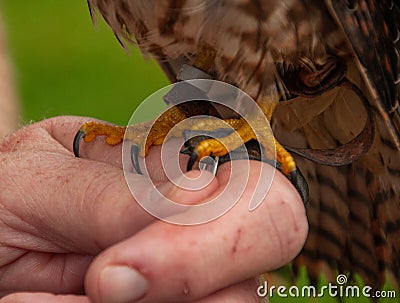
64, 65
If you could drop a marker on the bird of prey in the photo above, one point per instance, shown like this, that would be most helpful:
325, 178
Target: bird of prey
326, 74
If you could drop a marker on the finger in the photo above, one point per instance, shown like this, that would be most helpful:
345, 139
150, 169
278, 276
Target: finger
39, 271
60, 208
196, 261
69, 207
92, 193
244, 292
63, 130
57, 135
43, 298
53, 203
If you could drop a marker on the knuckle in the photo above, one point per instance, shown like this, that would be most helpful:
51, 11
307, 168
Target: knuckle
18, 139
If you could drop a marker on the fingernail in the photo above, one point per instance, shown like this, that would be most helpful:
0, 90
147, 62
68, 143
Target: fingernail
120, 284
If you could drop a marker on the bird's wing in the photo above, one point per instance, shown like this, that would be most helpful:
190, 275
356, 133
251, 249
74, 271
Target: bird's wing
354, 210
373, 32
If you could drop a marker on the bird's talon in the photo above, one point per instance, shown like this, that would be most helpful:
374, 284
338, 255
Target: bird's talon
77, 141
135, 158
210, 164
300, 183
193, 157
185, 151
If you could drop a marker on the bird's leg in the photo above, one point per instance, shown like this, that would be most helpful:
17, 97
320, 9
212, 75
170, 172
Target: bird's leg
253, 128
90, 130
246, 130
221, 146
156, 131
288, 165
147, 134
142, 135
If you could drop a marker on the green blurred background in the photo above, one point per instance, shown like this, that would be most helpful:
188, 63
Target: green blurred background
65, 65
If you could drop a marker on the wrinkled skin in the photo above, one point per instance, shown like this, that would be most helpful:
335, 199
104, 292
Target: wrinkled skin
64, 220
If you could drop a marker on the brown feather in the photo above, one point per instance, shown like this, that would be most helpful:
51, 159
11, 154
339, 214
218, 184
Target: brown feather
354, 212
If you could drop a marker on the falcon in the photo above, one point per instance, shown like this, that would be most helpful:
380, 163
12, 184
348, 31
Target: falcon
326, 76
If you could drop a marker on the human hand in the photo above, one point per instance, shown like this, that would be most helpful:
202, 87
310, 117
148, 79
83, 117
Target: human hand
63, 218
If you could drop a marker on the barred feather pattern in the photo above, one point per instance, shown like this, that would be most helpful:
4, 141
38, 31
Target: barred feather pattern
354, 213
249, 37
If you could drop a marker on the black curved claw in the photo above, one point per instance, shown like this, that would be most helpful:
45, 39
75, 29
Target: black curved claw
192, 159
185, 151
298, 180
77, 141
135, 158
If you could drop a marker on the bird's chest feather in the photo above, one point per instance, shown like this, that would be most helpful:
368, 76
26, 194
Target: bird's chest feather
248, 36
